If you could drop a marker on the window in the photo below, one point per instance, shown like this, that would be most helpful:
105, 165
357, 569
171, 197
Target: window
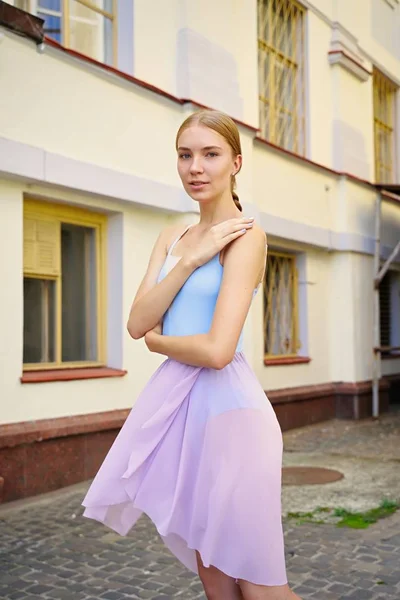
87, 26
384, 128
389, 307
280, 306
385, 311
281, 76
63, 286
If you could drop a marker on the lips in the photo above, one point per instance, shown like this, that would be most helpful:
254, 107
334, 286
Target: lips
197, 183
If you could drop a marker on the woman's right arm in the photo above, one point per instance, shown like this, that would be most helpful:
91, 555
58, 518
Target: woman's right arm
152, 300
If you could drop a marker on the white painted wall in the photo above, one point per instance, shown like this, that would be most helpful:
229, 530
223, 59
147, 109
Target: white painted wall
319, 80
352, 133
375, 24
89, 116
206, 54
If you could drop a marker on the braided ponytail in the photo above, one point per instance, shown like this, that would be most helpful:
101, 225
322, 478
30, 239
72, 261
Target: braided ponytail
234, 194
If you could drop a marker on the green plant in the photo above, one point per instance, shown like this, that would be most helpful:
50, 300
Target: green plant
362, 520
355, 520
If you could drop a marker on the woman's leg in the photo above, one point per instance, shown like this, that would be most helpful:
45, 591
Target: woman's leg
217, 585
252, 591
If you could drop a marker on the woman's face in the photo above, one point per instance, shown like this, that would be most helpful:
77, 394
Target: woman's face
205, 163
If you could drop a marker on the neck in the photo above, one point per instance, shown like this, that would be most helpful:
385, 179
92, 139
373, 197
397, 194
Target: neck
218, 210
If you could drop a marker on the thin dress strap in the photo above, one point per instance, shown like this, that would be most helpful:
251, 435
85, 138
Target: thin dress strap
172, 246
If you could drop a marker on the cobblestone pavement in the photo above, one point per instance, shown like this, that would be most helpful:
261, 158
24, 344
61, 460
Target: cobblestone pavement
366, 452
368, 438
49, 551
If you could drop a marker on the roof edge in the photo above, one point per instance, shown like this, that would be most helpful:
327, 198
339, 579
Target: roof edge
21, 22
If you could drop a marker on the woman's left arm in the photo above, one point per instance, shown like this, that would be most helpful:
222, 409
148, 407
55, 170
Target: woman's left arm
243, 263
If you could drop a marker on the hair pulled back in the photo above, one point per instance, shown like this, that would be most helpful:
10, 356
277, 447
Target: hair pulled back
225, 126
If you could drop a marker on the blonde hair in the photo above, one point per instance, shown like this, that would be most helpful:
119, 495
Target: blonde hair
222, 124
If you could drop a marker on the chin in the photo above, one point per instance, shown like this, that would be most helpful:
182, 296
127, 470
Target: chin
203, 200
201, 196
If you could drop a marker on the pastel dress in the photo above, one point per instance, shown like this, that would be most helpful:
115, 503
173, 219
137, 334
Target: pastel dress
200, 454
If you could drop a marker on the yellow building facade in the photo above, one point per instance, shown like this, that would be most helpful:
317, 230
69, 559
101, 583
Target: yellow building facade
88, 117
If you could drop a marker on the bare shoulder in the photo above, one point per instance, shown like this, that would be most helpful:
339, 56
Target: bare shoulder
252, 243
158, 256
170, 233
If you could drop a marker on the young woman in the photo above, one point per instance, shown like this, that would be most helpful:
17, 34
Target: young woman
201, 451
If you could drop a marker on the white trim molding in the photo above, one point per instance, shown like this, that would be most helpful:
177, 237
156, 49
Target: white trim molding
33, 165
279, 228
345, 52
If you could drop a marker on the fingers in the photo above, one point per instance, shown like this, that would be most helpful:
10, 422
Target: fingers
238, 221
229, 223
236, 225
233, 236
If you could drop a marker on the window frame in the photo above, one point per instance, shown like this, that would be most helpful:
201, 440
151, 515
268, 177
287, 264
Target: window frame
392, 314
266, 48
65, 213
295, 340
32, 7
379, 81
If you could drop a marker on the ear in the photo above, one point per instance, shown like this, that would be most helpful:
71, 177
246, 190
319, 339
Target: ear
237, 164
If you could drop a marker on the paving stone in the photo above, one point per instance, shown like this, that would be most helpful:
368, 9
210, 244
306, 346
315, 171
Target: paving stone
339, 588
17, 595
39, 589
112, 595
326, 596
360, 595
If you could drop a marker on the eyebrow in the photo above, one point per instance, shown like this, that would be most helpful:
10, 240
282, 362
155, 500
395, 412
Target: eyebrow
205, 148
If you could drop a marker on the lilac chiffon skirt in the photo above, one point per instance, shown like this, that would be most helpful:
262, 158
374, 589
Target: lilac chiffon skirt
201, 455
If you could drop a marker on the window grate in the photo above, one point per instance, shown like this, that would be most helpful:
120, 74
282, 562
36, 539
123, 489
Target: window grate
384, 100
281, 73
281, 306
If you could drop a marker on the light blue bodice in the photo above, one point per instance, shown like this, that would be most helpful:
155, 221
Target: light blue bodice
192, 309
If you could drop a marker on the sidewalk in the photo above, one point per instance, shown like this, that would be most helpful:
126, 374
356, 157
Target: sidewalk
366, 452
48, 551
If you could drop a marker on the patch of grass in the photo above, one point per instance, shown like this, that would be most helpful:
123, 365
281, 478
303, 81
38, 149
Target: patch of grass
362, 520
340, 512
300, 515
308, 517
345, 518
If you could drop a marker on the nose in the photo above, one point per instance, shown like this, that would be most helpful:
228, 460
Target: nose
196, 165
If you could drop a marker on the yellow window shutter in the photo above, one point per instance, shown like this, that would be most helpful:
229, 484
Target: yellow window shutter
41, 246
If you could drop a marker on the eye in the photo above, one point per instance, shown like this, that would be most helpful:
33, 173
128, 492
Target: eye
184, 155
212, 154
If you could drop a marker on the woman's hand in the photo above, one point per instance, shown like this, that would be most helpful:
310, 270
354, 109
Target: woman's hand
216, 238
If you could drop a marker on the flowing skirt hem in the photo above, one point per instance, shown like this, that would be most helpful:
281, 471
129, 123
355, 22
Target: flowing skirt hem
172, 540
